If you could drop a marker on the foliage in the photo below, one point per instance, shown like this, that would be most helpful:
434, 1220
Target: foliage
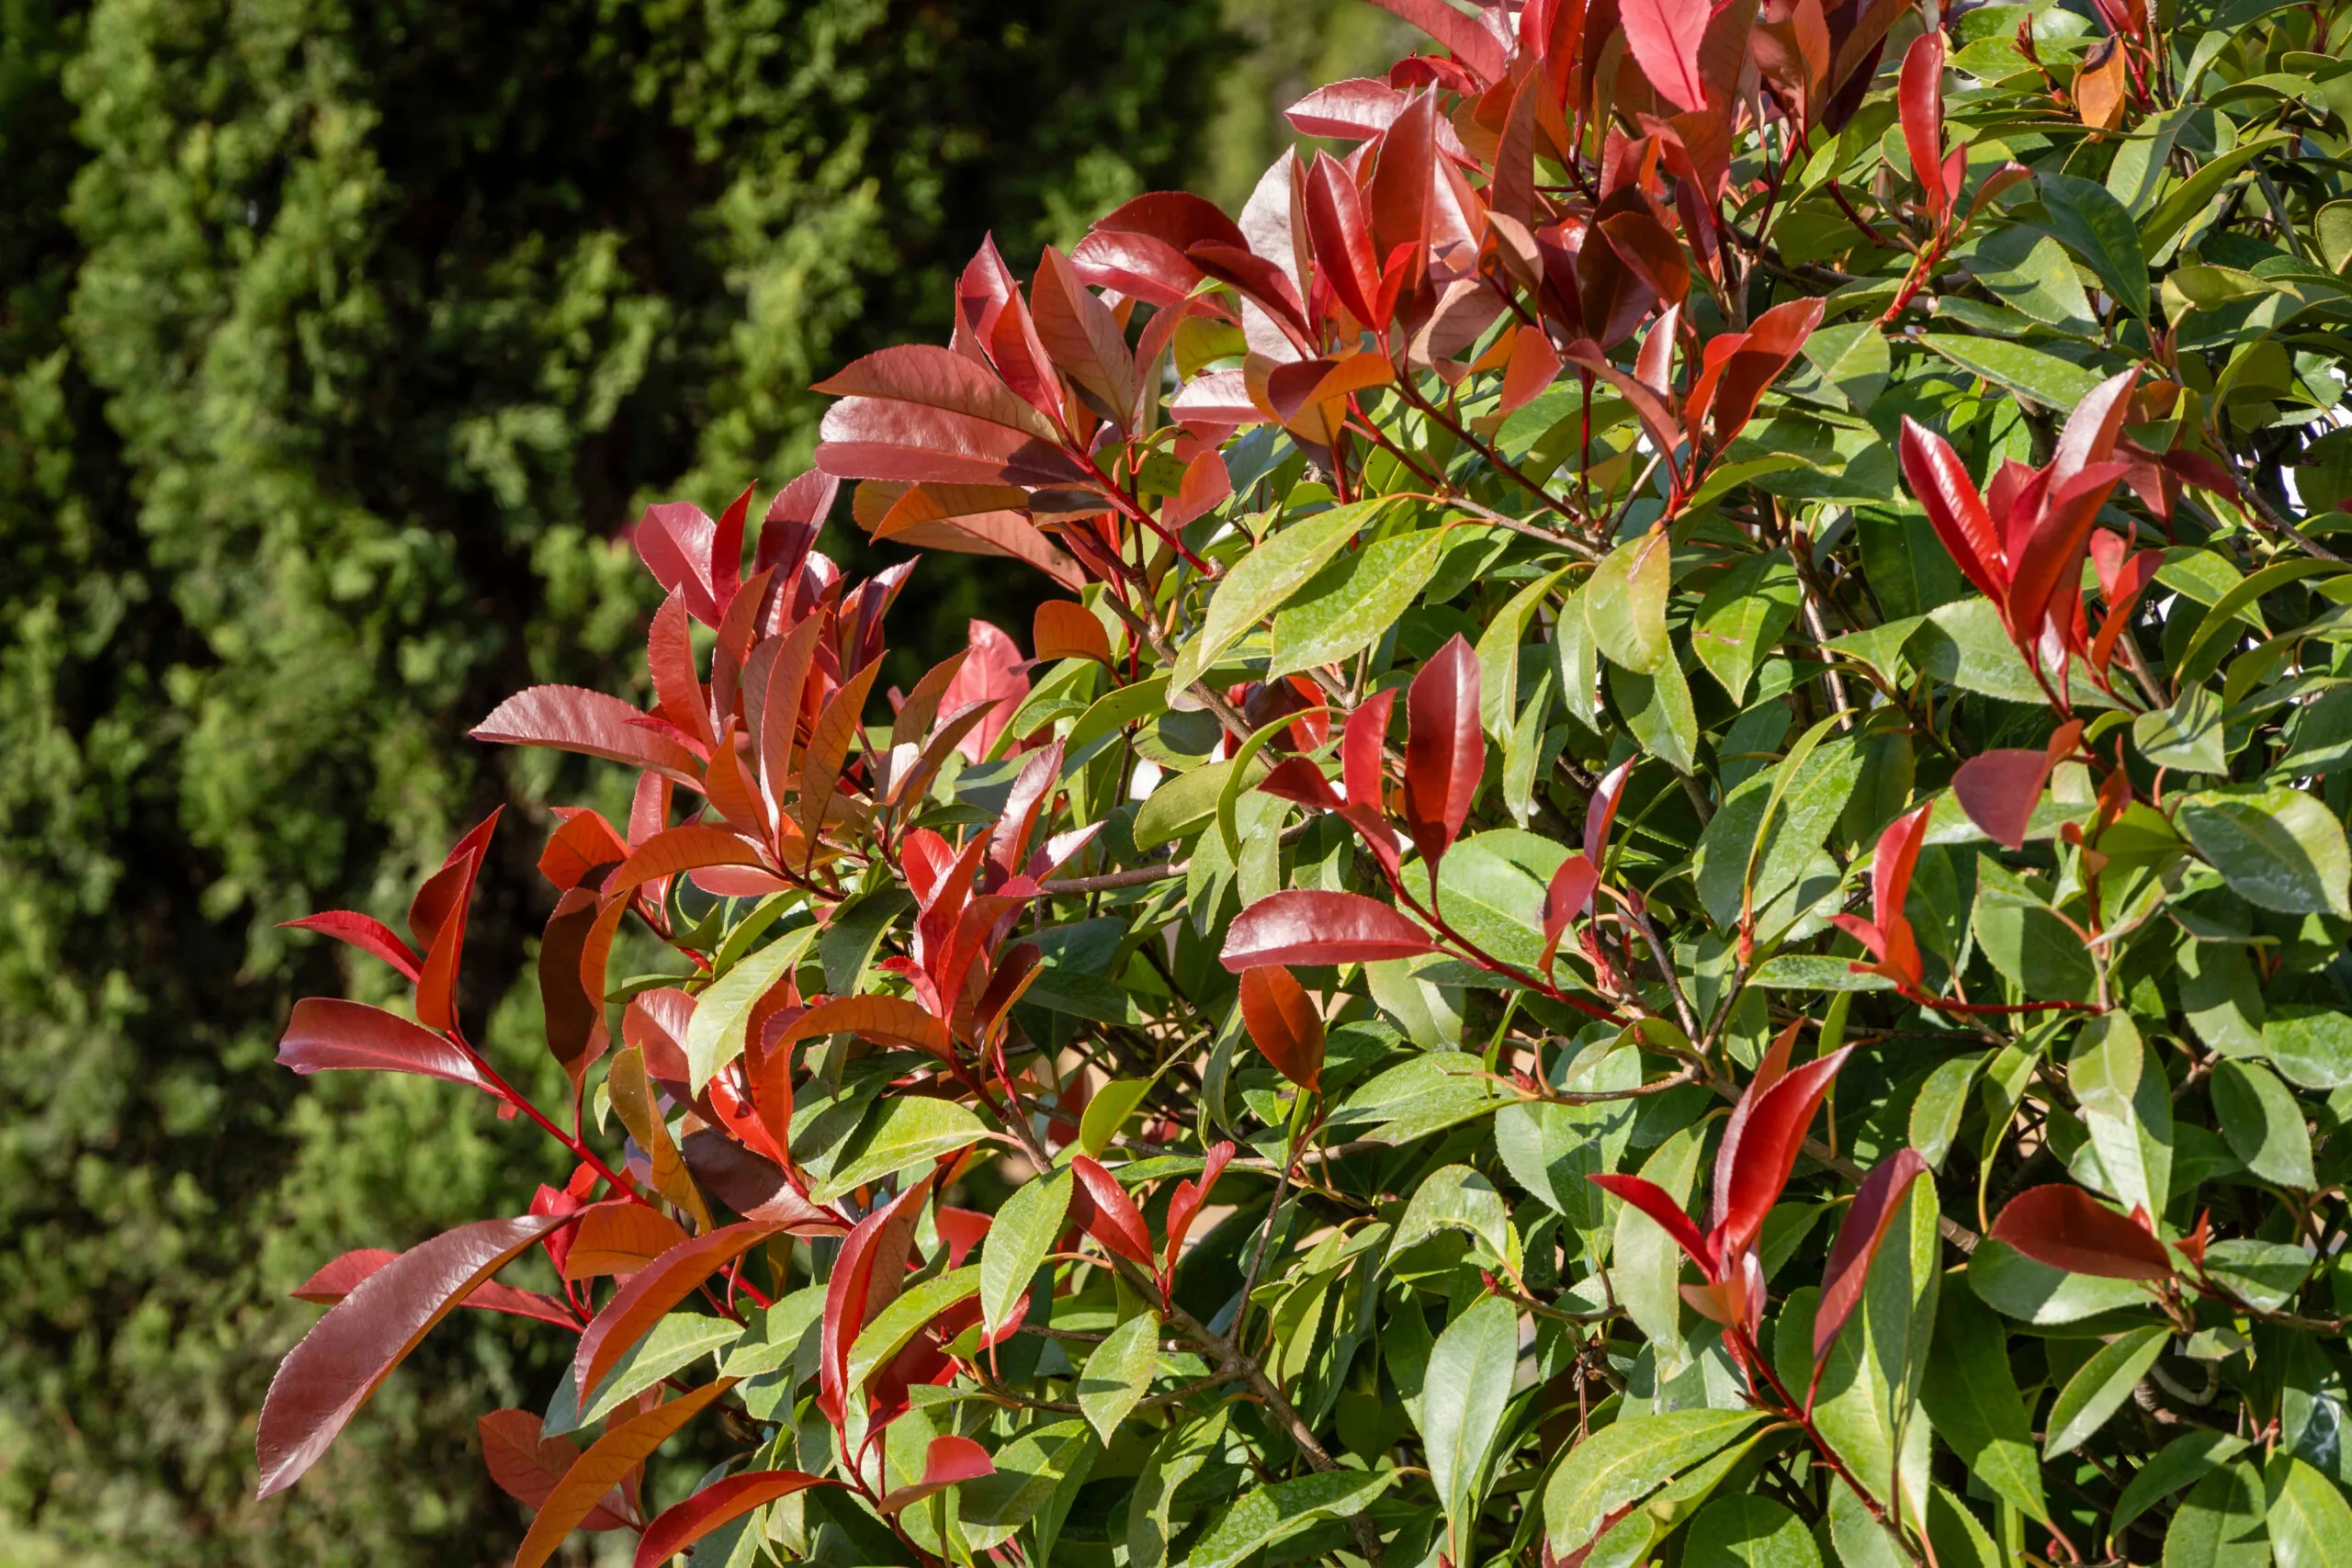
1673, 881
335, 344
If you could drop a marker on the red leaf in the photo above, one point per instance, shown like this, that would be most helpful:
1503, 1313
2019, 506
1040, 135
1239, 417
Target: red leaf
1891, 867
1874, 1207
1776, 338
1921, 92
365, 932
573, 719
1766, 1151
1568, 897
677, 685
1353, 110
605, 1463
1295, 778
2047, 576
720, 1503
329, 1034
340, 1278
1535, 365
867, 1275
1650, 251
1078, 331
1653, 1199
989, 674
1359, 750
1954, 507
653, 1291
949, 1460
1184, 1204
1342, 241
1466, 37
676, 540
1445, 750
1404, 186
1283, 1022
1103, 1209
1309, 926
2064, 1227
938, 378
1999, 789
619, 1237
348, 1353
528, 1467
888, 1020
1664, 36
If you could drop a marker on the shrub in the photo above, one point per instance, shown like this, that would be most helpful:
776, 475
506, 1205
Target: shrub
1672, 881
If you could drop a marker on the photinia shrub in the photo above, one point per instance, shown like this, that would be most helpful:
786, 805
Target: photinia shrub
1671, 884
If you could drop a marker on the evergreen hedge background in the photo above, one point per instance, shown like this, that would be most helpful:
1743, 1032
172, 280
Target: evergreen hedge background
332, 335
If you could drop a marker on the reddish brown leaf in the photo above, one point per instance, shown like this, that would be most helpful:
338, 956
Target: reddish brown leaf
1875, 1204
1445, 750
365, 932
932, 377
1295, 778
675, 849
1359, 750
1602, 810
573, 719
1284, 1023
888, 1020
1184, 1204
867, 439
329, 1034
619, 1237
1567, 898
1999, 790
348, 1353
677, 685
720, 1503
573, 1019
1078, 331
651, 1291
340, 1278
2064, 1227
1464, 37
604, 1466
583, 842
1342, 239
1062, 629
841, 722
990, 674
528, 1467
1309, 926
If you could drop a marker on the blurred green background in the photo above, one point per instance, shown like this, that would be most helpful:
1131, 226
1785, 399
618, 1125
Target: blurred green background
336, 342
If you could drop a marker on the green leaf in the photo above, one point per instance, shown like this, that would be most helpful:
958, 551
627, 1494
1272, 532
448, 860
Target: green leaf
1624, 603
1944, 1101
2027, 942
2188, 1457
1108, 1111
1265, 578
2276, 847
1017, 1242
1181, 804
2263, 1124
1180, 1455
2186, 736
1749, 1532
715, 1033
1353, 601
1491, 886
1965, 644
2030, 272
1746, 610
1271, 1513
1578, 660
2094, 225
672, 1344
1657, 708
2099, 1387
1649, 1265
1028, 1470
2126, 1104
1117, 1373
2265, 1274
1909, 571
1498, 649
2313, 1046
1463, 1391
2011, 1282
1804, 793
1853, 358
1551, 1149
1458, 1198
895, 1326
2310, 1525
2220, 1525
2038, 378
1625, 1462
1972, 1397
909, 1130
851, 938
2188, 199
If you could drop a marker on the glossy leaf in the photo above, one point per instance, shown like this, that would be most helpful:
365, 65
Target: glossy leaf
609, 1458
2064, 1228
677, 1528
1283, 1023
1303, 926
326, 1034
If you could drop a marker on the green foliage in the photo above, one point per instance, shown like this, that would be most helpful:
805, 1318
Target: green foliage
335, 344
